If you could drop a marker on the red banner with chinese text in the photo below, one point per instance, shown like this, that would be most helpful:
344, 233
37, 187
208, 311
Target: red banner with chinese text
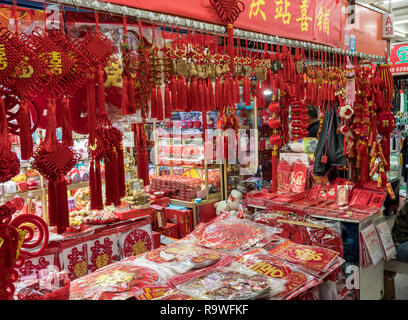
399, 59
295, 19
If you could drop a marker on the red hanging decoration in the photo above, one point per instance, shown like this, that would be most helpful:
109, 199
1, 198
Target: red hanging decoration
228, 11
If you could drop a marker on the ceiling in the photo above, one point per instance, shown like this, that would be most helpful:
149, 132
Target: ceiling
399, 8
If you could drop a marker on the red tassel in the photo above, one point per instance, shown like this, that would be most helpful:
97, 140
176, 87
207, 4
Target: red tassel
98, 183
211, 101
167, 102
180, 89
174, 96
159, 103
50, 139
274, 170
91, 108
26, 139
153, 103
101, 92
121, 172
246, 92
184, 93
52, 204
194, 94
125, 96
385, 146
364, 168
66, 122
237, 97
131, 94
201, 94
230, 33
206, 105
58, 213
218, 94
92, 184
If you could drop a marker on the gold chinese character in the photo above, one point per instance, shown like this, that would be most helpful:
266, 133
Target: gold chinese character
267, 269
308, 255
304, 24
282, 12
323, 21
255, 8
3, 59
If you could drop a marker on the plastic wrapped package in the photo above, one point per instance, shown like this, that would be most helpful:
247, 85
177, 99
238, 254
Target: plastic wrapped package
317, 261
119, 281
227, 280
50, 284
183, 256
159, 292
261, 261
233, 235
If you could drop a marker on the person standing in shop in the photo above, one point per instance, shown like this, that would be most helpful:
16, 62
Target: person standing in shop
313, 122
400, 233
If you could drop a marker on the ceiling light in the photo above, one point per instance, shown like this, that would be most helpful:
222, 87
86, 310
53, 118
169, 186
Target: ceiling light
401, 34
401, 21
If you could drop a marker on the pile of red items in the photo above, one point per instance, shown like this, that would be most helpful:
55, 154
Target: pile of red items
177, 187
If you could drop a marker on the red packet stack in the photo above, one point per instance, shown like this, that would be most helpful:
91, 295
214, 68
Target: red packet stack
261, 261
319, 262
183, 218
298, 178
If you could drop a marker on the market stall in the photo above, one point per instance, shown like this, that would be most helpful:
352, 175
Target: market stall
165, 147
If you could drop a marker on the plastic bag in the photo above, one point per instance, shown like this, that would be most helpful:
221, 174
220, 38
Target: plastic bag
183, 256
227, 281
317, 261
296, 281
119, 281
233, 235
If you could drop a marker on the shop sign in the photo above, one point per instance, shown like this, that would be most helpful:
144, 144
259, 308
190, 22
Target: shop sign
309, 20
399, 59
388, 26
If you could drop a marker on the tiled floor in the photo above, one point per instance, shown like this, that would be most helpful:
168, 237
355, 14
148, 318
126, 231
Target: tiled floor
401, 286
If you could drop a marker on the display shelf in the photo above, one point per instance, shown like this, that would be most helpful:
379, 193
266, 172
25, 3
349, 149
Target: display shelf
35, 193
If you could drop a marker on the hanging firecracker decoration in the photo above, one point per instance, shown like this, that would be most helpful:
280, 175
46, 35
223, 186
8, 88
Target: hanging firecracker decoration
275, 140
228, 11
299, 120
386, 125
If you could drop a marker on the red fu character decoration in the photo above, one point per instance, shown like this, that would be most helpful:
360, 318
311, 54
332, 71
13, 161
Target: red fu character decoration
229, 10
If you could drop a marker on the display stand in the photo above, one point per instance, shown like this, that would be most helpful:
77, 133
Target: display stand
370, 286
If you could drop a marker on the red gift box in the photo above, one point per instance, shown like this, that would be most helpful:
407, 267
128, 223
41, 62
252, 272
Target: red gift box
156, 239
183, 218
135, 213
170, 230
159, 219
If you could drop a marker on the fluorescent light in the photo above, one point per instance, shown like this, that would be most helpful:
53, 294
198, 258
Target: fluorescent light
401, 21
267, 92
401, 34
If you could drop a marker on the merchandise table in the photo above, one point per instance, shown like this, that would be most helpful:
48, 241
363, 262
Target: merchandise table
93, 247
370, 278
